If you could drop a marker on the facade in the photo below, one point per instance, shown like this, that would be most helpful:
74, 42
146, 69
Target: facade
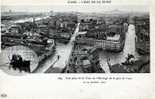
142, 34
110, 45
112, 39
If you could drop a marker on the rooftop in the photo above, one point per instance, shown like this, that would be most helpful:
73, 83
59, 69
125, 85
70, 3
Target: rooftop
115, 37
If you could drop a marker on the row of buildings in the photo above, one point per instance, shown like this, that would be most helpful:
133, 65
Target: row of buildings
142, 27
60, 27
101, 33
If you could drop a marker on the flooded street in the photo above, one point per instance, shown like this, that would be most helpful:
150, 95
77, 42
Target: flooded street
63, 51
129, 48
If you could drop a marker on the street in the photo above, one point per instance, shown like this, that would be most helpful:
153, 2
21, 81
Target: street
129, 48
63, 51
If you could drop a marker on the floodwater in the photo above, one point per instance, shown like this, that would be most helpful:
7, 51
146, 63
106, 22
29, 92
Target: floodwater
25, 52
63, 51
129, 48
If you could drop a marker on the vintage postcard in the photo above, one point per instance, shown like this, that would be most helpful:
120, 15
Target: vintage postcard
85, 49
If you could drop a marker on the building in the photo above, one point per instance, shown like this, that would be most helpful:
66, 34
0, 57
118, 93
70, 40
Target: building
15, 29
142, 27
113, 38
83, 60
107, 33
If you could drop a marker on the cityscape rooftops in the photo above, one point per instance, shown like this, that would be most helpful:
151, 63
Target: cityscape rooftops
115, 37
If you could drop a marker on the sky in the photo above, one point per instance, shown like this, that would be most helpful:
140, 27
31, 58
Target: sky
79, 8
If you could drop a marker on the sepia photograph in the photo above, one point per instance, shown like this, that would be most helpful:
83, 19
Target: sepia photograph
75, 39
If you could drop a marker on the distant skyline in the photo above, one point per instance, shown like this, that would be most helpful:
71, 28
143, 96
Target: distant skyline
77, 8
